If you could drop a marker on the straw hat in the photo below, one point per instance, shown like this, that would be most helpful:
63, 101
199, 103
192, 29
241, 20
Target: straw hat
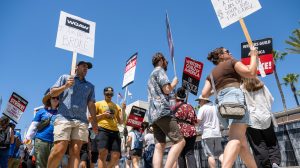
202, 98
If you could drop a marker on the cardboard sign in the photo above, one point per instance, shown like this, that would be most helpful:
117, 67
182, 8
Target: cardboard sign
15, 107
76, 34
130, 70
136, 116
265, 53
191, 74
230, 11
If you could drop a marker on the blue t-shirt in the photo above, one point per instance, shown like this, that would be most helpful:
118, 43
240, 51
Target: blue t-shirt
74, 100
13, 152
45, 134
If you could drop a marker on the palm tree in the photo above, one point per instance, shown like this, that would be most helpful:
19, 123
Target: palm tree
279, 56
291, 79
294, 42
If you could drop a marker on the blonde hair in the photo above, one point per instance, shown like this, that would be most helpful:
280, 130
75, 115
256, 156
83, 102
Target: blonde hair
252, 84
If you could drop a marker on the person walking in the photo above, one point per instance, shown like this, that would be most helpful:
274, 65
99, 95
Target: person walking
226, 77
210, 127
75, 94
41, 129
186, 117
135, 144
159, 113
108, 140
149, 147
260, 134
14, 154
6, 139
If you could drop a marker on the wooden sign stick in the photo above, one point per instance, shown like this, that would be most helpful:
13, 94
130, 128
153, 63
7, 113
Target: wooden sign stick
246, 33
74, 59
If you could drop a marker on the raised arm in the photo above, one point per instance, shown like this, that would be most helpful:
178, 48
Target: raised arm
248, 71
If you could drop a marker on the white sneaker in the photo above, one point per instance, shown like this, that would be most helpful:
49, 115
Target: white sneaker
274, 165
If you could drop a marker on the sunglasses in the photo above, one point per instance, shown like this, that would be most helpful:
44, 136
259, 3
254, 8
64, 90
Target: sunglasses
109, 94
55, 98
226, 51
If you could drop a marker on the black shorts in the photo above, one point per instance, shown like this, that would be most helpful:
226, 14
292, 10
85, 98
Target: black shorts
136, 152
84, 156
107, 139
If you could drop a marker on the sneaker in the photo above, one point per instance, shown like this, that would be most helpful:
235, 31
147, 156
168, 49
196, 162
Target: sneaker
274, 165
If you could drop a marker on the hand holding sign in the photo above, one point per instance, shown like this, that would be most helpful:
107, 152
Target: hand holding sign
229, 12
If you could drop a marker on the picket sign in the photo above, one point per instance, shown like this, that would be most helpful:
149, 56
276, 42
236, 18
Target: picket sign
77, 35
249, 40
229, 12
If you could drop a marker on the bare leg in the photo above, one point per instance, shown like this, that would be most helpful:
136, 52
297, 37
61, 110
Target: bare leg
135, 161
83, 164
221, 158
158, 155
114, 159
174, 153
246, 155
211, 162
175, 164
128, 163
238, 145
232, 149
57, 152
74, 152
102, 158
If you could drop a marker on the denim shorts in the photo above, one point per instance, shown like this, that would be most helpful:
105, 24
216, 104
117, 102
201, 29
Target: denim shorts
232, 95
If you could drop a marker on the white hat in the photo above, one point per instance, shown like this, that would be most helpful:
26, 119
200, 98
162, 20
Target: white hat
202, 98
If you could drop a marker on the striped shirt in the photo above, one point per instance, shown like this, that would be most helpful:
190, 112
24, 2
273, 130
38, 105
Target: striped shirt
74, 100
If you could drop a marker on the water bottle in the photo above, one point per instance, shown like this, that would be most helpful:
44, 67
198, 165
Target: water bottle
92, 135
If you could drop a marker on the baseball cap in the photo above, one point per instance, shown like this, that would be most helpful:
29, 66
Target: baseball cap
90, 65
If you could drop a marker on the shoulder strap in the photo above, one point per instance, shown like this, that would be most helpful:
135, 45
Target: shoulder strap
213, 85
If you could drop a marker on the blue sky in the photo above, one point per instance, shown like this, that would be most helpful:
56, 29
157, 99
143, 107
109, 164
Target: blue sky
30, 63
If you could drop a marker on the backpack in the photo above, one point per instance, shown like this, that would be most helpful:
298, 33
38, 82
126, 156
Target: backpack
18, 143
148, 153
4, 138
138, 143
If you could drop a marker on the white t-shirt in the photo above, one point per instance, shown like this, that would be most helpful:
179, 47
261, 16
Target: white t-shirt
209, 122
149, 139
259, 104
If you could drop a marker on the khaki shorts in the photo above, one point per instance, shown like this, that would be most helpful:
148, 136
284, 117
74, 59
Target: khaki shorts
70, 130
166, 126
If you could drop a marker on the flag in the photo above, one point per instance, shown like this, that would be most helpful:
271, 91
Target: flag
169, 38
120, 96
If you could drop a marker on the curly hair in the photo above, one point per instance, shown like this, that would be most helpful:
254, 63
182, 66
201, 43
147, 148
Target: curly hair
156, 58
213, 56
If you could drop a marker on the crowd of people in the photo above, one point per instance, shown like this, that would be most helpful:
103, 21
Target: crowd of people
73, 130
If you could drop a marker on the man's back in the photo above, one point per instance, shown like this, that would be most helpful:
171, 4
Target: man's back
209, 122
159, 102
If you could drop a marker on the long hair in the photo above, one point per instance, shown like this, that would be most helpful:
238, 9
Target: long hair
252, 84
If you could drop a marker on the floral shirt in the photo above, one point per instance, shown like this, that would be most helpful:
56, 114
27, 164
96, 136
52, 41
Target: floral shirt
187, 119
159, 104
